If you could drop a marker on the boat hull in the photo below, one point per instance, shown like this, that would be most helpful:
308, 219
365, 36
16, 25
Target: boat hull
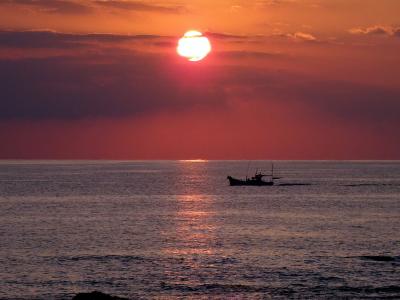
248, 182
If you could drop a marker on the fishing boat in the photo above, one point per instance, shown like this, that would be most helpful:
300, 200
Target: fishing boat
256, 180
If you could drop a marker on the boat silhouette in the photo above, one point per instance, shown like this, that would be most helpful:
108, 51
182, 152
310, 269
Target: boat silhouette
256, 180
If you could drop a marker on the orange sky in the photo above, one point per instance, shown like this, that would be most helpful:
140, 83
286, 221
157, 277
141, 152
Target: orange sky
287, 79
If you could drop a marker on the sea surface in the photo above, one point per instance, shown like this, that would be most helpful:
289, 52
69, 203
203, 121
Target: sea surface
177, 230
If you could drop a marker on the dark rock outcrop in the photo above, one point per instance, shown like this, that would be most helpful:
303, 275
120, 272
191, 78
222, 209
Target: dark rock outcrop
380, 258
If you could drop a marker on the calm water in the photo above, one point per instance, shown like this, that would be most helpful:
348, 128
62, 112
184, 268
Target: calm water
177, 230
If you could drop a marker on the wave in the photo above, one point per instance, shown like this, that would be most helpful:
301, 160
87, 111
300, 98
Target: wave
124, 258
383, 258
370, 184
392, 289
293, 184
300, 291
216, 288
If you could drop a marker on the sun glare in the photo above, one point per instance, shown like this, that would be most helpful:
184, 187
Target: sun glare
194, 46
198, 160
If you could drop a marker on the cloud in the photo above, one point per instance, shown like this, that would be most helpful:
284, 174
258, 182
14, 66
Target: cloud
115, 81
140, 6
275, 2
351, 102
288, 3
37, 39
225, 36
235, 38
304, 36
341, 99
57, 40
298, 36
241, 54
74, 88
376, 30
52, 6
125, 82
83, 7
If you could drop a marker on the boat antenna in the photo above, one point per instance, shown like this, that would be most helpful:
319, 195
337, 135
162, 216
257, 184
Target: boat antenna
248, 167
272, 170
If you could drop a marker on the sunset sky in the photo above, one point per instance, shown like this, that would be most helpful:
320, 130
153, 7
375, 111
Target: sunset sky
286, 79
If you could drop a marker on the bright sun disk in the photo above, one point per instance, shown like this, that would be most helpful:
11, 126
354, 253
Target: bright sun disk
194, 46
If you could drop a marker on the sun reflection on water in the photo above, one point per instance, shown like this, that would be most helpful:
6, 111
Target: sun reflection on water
192, 238
194, 226
198, 160
194, 241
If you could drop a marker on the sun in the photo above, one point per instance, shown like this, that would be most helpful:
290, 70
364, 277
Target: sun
194, 46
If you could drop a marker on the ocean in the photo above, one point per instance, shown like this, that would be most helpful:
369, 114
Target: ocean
177, 230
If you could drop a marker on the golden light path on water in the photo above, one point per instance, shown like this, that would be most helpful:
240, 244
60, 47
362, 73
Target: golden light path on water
198, 160
194, 215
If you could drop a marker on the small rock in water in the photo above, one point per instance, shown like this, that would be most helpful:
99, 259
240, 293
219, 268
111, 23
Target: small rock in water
96, 296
